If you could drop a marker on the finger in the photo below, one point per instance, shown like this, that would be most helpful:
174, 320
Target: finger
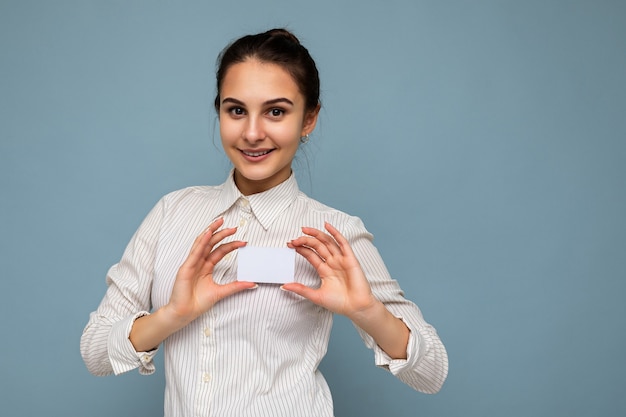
214, 226
226, 290
200, 242
310, 255
303, 291
321, 242
328, 241
222, 250
342, 242
313, 245
220, 235
201, 254
208, 241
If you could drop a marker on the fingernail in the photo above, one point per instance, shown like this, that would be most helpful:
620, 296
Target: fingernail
255, 287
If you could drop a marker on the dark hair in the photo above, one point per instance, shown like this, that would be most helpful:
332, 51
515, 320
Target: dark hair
276, 46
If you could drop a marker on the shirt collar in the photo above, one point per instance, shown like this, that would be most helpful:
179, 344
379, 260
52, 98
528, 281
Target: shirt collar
266, 206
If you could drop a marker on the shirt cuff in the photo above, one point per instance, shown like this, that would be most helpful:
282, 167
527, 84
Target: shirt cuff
122, 353
413, 353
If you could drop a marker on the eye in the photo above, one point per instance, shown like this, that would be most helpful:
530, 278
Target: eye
276, 112
236, 111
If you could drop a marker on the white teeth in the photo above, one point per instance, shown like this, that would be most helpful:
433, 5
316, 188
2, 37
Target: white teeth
256, 153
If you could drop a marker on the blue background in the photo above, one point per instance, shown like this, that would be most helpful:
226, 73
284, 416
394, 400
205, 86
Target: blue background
483, 143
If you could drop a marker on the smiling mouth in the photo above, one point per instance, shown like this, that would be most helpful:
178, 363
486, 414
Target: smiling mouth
255, 154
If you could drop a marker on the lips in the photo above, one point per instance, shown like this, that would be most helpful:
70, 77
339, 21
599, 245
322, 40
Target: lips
256, 154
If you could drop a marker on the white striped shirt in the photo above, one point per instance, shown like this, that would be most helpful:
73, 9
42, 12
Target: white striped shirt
255, 353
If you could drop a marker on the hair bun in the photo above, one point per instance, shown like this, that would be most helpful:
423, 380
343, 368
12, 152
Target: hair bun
284, 33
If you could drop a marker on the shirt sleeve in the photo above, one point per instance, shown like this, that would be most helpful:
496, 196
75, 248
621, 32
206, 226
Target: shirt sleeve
426, 366
105, 345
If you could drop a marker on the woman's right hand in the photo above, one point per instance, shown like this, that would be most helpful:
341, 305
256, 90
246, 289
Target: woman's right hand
194, 290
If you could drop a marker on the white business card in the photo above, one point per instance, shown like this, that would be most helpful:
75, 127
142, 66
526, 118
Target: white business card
266, 265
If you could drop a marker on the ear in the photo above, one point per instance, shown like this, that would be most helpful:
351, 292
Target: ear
310, 120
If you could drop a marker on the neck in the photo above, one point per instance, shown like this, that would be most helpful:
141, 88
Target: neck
248, 187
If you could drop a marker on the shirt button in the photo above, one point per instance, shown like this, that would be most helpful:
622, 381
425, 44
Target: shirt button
206, 377
207, 332
244, 203
242, 222
145, 358
228, 256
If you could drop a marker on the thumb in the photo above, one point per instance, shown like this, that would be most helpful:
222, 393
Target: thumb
226, 290
301, 290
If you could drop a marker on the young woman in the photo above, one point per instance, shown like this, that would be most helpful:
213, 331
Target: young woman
239, 348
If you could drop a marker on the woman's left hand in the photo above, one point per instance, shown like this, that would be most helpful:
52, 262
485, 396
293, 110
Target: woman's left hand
344, 289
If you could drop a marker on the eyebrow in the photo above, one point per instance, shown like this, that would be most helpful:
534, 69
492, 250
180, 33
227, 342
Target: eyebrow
265, 103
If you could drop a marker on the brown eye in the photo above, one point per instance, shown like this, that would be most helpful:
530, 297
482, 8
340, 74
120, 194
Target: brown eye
236, 111
276, 112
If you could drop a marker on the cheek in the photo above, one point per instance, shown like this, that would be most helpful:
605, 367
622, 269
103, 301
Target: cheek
286, 135
228, 131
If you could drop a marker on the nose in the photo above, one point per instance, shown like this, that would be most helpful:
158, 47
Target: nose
253, 130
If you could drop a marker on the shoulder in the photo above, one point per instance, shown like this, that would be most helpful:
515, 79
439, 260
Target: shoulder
197, 192
349, 225
318, 207
189, 201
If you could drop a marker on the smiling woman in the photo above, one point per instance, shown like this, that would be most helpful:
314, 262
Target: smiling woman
237, 348
262, 118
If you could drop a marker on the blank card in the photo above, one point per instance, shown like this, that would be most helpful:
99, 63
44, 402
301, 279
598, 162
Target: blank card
268, 265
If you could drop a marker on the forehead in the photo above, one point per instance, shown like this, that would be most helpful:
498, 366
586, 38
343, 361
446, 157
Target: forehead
253, 79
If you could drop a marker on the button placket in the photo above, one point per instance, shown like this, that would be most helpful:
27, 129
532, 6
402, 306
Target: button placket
207, 350
245, 212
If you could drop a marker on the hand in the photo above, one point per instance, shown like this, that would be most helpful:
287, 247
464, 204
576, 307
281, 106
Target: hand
344, 289
194, 290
